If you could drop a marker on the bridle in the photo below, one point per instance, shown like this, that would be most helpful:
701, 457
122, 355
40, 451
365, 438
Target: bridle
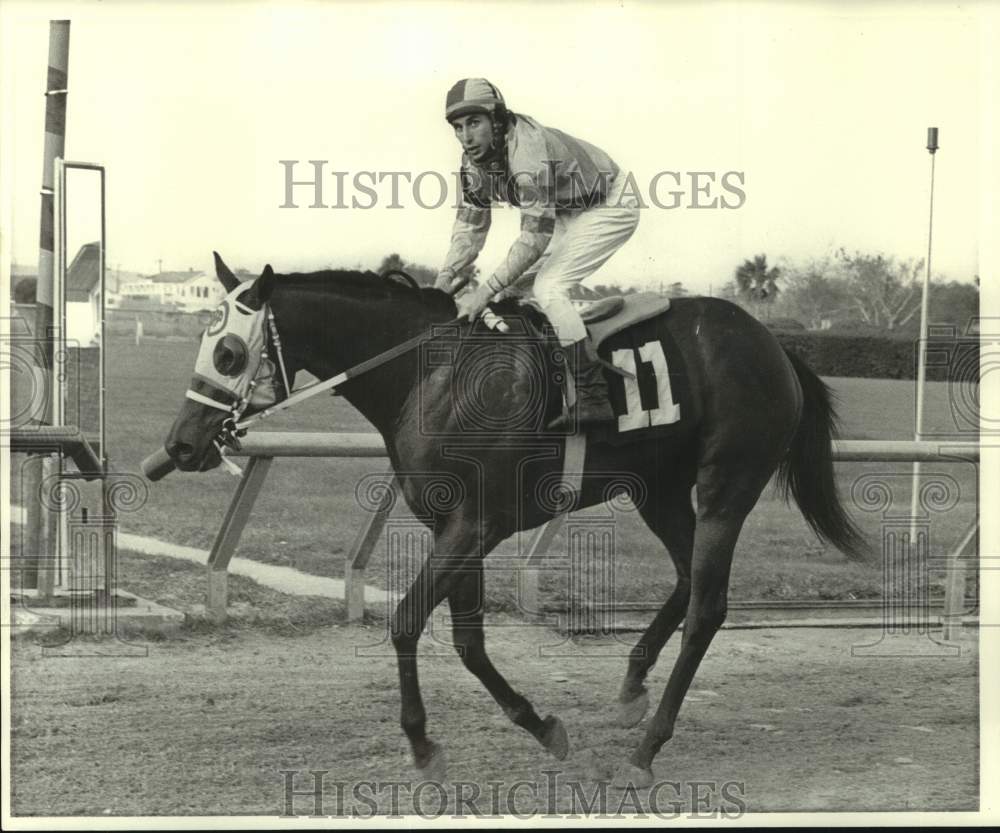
240, 371
233, 427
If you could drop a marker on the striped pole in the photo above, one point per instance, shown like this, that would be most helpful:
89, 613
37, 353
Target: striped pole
55, 146
40, 534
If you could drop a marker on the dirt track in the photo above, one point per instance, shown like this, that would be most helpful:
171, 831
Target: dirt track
204, 724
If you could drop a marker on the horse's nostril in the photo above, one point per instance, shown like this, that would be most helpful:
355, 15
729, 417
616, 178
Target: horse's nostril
179, 450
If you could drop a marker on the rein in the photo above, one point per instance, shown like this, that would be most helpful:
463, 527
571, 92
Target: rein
234, 427
319, 387
491, 319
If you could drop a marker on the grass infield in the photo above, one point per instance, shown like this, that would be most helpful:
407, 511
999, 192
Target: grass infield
308, 514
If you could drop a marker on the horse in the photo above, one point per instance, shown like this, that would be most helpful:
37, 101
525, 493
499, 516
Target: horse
755, 411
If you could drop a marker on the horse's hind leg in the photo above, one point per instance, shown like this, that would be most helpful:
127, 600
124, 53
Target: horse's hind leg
671, 517
725, 498
466, 603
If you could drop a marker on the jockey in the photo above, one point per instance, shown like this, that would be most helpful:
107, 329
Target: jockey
573, 218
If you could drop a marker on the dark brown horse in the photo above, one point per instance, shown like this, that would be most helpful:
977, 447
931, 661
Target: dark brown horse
470, 405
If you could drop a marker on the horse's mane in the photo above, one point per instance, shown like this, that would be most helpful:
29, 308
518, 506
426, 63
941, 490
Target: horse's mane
367, 285
353, 280
364, 285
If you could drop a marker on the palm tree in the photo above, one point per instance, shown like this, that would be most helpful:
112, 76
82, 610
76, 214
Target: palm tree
756, 282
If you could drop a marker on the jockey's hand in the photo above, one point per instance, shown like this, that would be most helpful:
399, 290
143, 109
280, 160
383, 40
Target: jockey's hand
472, 304
445, 281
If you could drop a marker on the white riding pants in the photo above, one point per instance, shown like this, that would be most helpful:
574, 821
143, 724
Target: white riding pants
581, 244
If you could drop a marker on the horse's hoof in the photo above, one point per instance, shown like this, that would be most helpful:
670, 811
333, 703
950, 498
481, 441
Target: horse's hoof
595, 766
632, 712
554, 737
630, 775
435, 766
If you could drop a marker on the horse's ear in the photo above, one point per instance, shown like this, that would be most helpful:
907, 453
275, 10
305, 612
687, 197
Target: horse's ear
222, 272
258, 294
265, 284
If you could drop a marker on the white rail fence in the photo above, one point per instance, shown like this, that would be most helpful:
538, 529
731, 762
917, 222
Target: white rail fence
262, 448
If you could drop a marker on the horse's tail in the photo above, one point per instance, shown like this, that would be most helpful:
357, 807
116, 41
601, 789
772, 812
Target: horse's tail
806, 473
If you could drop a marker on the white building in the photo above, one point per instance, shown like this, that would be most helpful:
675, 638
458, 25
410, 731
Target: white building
83, 296
190, 291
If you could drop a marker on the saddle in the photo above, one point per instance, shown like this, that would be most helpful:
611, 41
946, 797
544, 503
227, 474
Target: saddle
603, 319
609, 316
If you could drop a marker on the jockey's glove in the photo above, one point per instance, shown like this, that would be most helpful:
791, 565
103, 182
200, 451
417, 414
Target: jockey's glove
472, 304
445, 281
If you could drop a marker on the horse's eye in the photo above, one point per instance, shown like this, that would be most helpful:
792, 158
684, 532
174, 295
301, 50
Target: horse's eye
230, 355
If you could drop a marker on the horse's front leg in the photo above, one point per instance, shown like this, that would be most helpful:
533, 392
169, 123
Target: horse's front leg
434, 582
466, 603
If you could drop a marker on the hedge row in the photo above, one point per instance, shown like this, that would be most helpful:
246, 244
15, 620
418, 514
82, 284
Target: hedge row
878, 357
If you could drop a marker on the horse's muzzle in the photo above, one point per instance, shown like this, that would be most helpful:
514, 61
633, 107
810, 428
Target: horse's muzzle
188, 459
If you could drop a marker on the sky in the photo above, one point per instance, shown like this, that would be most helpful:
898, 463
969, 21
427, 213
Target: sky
820, 111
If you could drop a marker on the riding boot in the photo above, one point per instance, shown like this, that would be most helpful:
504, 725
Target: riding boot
592, 404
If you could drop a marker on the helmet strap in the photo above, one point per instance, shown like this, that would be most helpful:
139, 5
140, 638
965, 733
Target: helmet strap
499, 119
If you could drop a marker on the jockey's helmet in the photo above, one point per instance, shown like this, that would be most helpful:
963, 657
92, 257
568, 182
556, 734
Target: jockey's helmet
474, 95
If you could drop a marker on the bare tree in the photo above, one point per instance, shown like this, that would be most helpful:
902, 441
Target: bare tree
391, 261
813, 294
606, 290
884, 292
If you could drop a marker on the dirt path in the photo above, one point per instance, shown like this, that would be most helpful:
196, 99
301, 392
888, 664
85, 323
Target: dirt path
783, 720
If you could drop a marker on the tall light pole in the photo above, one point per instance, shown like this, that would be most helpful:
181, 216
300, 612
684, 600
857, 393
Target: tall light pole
932, 147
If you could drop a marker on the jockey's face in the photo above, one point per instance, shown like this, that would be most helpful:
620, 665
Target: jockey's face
475, 134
